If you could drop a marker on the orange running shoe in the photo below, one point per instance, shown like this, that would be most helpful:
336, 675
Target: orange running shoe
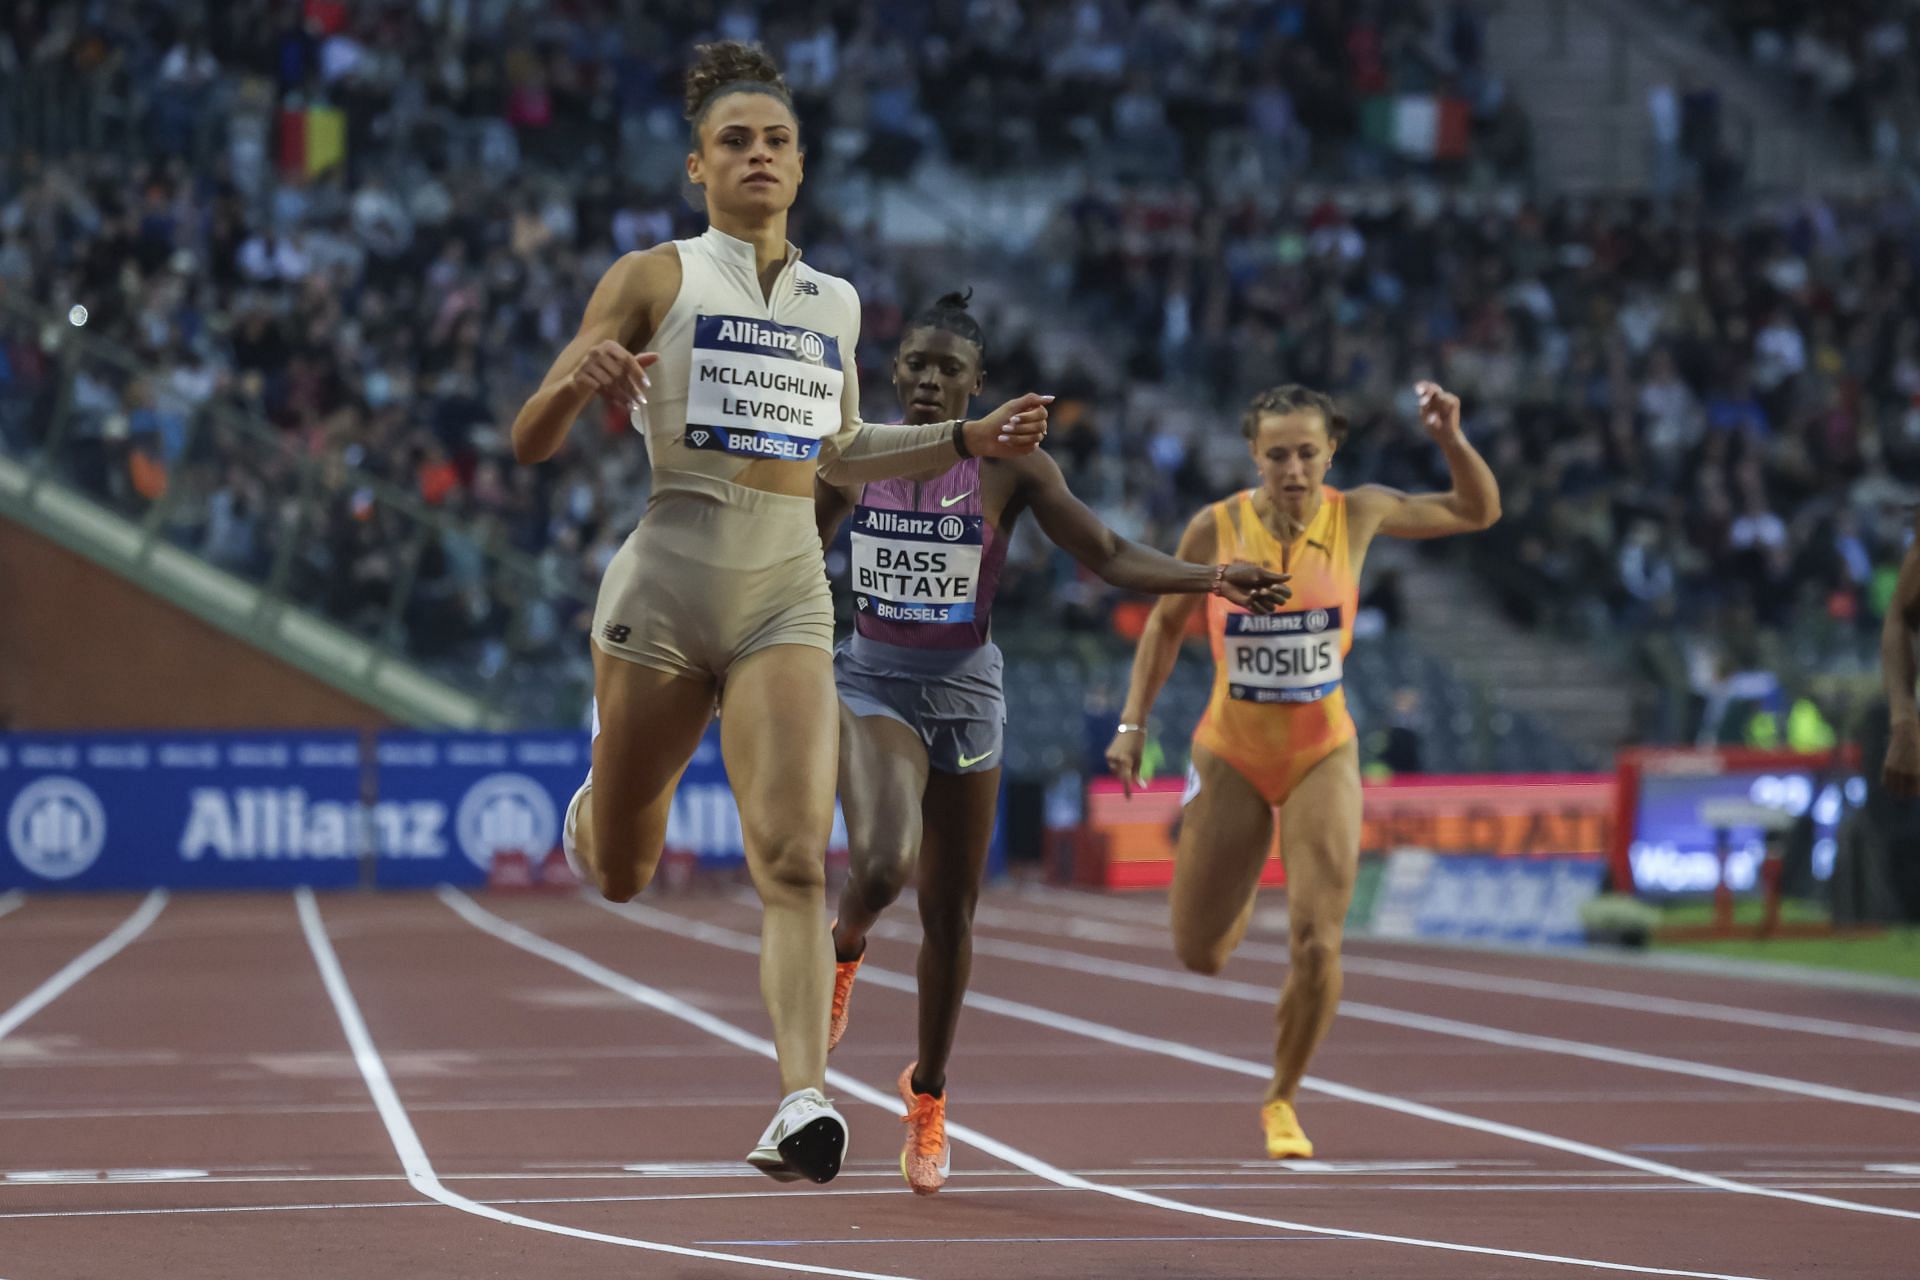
927, 1158
1285, 1141
843, 971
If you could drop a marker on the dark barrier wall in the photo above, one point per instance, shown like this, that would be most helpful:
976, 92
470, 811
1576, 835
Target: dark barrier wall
82, 648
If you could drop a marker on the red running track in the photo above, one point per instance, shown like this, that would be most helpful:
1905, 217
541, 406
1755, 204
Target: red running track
434, 1085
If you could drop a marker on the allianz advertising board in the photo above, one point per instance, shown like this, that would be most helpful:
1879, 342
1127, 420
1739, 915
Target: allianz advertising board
327, 809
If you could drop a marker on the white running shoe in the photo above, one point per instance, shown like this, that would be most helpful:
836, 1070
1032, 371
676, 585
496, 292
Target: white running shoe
807, 1139
568, 827
571, 823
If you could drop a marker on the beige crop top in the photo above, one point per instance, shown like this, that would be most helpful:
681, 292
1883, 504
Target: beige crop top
745, 375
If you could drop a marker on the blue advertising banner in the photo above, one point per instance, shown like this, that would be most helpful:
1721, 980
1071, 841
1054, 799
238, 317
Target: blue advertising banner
269, 810
1520, 900
182, 810
449, 802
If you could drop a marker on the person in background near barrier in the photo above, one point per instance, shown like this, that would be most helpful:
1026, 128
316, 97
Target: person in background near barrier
1276, 733
721, 591
1898, 673
921, 707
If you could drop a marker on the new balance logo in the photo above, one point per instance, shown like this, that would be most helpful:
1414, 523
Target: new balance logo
616, 632
807, 286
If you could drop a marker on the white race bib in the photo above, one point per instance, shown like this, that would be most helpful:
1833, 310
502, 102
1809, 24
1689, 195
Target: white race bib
1283, 657
911, 567
760, 389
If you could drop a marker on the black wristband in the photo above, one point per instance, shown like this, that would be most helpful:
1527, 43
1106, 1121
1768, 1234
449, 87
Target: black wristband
960, 438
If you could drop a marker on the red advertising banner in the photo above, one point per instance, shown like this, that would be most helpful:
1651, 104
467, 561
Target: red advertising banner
1126, 843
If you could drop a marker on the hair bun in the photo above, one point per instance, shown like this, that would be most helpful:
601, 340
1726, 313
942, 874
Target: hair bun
955, 301
726, 62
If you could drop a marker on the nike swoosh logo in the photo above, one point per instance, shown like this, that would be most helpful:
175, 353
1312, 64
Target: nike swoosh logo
967, 762
947, 502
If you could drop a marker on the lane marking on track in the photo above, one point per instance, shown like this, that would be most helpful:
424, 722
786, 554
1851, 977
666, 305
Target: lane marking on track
84, 963
839, 1240
1227, 988
1651, 966
642, 994
1065, 1022
413, 1156
1467, 980
1022, 1190
11, 900
42, 1177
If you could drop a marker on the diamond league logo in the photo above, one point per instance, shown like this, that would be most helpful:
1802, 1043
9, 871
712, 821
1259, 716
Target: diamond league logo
506, 811
1317, 620
952, 528
57, 828
699, 438
812, 348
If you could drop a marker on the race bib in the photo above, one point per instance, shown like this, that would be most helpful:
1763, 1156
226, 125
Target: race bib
1283, 657
910, 567
762, 390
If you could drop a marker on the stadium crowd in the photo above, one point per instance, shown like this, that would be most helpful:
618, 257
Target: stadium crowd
1699, 417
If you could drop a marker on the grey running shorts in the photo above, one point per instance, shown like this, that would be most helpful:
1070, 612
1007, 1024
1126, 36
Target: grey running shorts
951, 698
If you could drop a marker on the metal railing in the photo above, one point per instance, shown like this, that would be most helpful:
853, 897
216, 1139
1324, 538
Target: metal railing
316, 536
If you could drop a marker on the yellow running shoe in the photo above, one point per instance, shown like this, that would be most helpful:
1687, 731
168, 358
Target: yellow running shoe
1285, 1141
843, 971
927, 1158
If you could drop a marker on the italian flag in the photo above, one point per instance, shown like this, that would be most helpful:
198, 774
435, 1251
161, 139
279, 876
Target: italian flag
312, 140
1419, 126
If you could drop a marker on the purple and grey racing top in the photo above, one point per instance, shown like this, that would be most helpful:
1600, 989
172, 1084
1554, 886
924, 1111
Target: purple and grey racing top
925, 561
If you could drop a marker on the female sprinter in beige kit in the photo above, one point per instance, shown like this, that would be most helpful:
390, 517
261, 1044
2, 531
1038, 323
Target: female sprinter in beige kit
1276, 733
721, 592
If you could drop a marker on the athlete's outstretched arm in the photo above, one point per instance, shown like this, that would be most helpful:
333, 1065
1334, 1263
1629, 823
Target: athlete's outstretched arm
1076, 530
600, 361
1158, 650
1473, 503
1898, 672
860, 452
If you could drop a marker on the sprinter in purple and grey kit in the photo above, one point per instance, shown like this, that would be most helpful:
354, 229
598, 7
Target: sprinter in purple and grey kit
921, 708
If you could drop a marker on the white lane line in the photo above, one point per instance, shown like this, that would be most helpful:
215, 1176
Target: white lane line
84, 963
1651, 966
642, 994
1127, 971
11, 900
720, 936
1464, 979
413, 1156
1022, 1190
844, 1240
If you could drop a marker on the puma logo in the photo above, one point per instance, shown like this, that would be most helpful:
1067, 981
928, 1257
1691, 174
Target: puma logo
947, 502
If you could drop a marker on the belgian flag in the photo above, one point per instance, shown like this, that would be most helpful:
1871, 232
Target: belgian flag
312, 140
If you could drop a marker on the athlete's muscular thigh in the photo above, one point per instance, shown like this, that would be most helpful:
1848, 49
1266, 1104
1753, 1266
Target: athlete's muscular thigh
779, 732
651, 722
1226, 832
883, 774
1320, 842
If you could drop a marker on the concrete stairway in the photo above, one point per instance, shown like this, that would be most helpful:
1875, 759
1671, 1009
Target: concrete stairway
1582, 70
1568, 688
